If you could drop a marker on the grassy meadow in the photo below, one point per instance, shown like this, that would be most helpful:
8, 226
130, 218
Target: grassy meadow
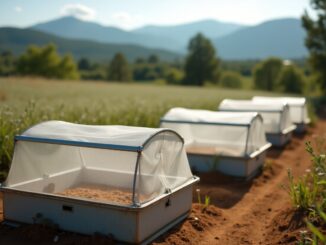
27, 101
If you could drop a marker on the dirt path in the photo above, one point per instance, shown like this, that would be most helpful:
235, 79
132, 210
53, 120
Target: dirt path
241, 212
247, 210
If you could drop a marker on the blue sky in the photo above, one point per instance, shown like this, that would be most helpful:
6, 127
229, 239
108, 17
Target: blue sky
129, 14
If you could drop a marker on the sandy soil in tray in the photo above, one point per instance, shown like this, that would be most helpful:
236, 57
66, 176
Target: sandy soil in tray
100, 193
252, 212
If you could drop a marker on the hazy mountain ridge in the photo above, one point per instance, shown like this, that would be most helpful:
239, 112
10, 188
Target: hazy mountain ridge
72, 28
281, 37
17, 40
182, 33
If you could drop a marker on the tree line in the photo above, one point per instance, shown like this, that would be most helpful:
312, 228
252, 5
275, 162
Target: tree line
201, 65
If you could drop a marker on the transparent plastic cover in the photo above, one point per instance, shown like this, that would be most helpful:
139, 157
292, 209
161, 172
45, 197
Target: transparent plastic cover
276, 116
222, 133
120, 176
297, 105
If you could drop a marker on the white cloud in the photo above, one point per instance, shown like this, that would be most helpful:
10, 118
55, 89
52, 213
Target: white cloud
125, 20
18, 9
79, 11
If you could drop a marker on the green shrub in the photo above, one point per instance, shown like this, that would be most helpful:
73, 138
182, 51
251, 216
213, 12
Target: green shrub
309, 191
174, 76
292, 80
308, 194
230, 79
266, 74
303, 193
46, 62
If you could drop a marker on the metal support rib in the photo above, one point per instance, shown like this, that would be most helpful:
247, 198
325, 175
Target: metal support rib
134, 201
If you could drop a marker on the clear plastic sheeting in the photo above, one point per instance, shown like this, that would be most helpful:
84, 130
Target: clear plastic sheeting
54, 156
298, 107
276, 116
217, 133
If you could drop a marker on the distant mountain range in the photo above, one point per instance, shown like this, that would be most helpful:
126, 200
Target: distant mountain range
72, 28
17, 40
282, 37
181, 34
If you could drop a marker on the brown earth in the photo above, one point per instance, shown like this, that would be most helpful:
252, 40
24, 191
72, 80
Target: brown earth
252, 212
101, 193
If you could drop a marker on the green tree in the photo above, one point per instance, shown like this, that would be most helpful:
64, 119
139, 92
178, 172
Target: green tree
316, 39
119, 69
266, 74
231, 79
140, 60
174, 76
45, 61
291, 80
67, 68
153, 59
201, 62
84, 64
7, 63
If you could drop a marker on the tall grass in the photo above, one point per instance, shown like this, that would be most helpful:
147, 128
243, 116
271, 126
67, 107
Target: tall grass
308, 193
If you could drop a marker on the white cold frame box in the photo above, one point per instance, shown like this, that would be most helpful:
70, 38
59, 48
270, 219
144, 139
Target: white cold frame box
232, 143
276, 116
131, 182
298, 109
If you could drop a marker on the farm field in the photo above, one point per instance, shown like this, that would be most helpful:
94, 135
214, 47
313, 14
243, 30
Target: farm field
253, 212
27, 101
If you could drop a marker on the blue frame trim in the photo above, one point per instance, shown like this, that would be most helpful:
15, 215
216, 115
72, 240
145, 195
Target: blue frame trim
207, 123
249, 110
79, 143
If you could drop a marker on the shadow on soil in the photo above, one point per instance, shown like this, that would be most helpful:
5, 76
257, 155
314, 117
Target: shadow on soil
275, 152
224, 191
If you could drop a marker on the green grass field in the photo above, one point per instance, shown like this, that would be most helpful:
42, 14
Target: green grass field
27, 101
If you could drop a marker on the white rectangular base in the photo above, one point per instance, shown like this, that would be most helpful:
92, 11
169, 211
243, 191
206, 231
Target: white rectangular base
301, 128
234, 166
130, 224
279, 140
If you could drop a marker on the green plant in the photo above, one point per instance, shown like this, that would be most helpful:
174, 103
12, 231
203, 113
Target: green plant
318, 235
303, 193
309, 191
291, 80
266, 74
230, 79
45, 61
304, 238
315, 39
207, 201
